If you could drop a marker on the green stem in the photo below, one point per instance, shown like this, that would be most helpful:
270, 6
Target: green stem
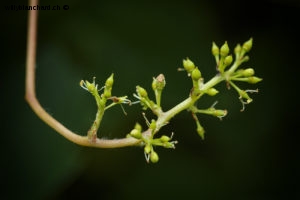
92, 133
235, 65
238, 62
212, 82
158, 97
164, 117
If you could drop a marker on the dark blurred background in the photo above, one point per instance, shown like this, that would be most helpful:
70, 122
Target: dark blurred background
248, 155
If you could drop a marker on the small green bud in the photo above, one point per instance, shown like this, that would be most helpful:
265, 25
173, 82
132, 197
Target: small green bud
200, 131
220, 113
107, 93
237, 49
248, 45
152, 124
138, 127
159, 82
244, 94
147, 149
248, 72
254, 79
165, 138
136, 133
188, 65
224, 51
215, 49
212, 92
109, 82
90, 86
196, 74
141, 91
228, 60
169, 145
154, 157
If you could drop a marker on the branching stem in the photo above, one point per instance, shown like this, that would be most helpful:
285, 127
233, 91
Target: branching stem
136, 137
187, 103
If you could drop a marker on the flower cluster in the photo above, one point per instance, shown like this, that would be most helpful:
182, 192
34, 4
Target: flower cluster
148, 140
224, 60
227, 71
101, 100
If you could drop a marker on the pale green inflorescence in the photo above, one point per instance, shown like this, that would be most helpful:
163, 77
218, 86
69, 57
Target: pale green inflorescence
227, 71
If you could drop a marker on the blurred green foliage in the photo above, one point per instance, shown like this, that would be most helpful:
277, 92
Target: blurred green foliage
249, 155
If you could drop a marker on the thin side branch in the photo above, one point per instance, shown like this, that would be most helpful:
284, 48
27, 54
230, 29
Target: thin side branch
30, 95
